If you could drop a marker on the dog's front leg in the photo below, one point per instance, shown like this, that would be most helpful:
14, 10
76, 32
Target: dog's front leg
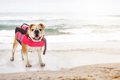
39, 55
25, 54
14, 48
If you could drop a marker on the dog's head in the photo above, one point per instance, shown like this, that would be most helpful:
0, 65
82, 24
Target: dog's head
36, 32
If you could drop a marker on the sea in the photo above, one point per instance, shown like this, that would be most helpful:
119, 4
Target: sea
63, 27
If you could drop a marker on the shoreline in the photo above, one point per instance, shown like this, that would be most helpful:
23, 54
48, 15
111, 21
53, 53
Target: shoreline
56, 61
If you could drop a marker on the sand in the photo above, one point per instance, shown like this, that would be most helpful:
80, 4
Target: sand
91, 72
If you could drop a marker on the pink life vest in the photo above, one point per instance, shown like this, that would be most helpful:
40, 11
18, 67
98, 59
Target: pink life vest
22, 38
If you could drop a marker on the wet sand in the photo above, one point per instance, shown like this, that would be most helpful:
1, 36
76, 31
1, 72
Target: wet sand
57, 60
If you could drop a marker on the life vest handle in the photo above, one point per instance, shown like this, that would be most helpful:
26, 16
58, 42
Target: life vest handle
24, 24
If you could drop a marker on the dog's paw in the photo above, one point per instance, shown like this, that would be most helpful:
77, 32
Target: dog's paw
12, 59
42, 65
23, 59
28, 65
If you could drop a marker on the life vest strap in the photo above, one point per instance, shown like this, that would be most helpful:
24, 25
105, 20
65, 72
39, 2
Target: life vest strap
18, 29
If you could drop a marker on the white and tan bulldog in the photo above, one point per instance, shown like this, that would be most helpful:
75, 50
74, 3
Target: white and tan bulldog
34, 35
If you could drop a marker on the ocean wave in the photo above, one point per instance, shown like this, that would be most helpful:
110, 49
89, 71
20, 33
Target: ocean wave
50, 30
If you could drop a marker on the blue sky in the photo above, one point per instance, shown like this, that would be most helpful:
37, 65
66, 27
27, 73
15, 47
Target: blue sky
66, 6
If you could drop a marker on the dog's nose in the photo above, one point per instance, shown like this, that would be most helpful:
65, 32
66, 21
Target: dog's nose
36, 32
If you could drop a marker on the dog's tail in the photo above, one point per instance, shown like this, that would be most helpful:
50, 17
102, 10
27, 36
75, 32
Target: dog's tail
45, 47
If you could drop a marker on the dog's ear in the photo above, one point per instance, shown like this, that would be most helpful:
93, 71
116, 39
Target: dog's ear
43, 26
30, 26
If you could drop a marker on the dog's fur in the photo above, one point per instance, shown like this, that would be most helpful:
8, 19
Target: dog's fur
36, 33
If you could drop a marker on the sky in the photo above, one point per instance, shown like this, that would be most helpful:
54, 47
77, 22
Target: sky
91, 7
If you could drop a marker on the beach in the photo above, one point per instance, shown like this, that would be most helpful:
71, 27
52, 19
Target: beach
76, 49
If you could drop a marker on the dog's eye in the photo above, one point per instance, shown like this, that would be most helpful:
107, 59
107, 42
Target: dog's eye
32, 29
40, 29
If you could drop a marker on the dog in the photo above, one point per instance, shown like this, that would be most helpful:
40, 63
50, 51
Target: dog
35, 36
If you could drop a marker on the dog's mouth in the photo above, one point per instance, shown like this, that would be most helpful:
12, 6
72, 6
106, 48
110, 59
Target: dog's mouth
36, 38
